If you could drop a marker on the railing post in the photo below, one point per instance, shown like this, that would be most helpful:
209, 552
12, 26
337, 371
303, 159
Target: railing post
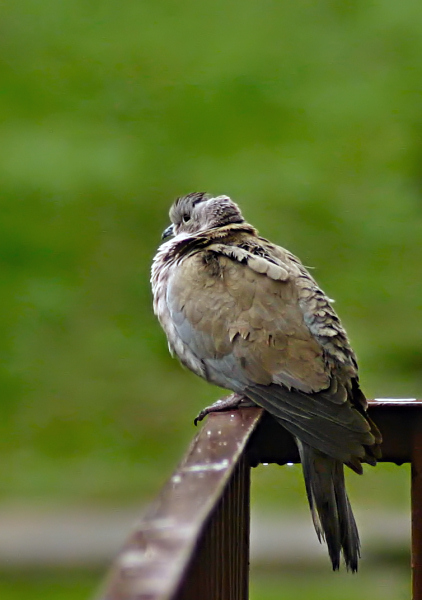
417, 510
220, 565
193, 541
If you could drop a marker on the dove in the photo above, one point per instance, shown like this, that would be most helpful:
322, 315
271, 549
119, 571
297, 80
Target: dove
246, 315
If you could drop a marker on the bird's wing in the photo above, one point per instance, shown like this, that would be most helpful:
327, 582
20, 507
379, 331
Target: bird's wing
259, 325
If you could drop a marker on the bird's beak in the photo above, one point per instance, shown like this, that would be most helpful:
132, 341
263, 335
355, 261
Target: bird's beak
168, 232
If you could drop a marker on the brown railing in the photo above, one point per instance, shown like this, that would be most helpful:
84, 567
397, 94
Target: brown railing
193, 542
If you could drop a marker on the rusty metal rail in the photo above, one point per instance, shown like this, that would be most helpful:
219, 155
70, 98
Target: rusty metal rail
193, 542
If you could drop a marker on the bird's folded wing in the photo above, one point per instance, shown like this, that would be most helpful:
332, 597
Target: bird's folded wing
341, 431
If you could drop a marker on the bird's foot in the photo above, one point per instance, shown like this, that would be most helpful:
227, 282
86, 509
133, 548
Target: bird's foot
228, 403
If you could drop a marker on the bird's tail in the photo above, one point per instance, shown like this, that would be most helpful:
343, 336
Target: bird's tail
330, 507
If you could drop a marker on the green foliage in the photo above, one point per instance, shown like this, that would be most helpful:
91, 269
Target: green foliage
308, 114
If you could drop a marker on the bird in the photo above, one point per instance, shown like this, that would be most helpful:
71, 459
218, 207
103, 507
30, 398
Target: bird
245, 314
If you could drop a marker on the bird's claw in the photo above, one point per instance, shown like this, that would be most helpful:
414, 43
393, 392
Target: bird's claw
231, 402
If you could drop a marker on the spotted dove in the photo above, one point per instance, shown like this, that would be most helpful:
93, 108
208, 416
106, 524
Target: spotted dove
246, 315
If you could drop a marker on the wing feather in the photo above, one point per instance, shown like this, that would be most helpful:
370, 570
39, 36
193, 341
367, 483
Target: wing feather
260, 325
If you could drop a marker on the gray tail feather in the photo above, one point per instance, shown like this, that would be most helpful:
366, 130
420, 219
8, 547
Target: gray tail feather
330, 507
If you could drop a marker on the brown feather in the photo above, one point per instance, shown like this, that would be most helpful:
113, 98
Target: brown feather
246, 314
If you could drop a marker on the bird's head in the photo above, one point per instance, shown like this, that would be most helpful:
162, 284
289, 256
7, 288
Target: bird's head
199, 212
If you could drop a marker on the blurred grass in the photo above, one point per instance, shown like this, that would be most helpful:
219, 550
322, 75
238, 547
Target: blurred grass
307, 114
376, 584
54, 585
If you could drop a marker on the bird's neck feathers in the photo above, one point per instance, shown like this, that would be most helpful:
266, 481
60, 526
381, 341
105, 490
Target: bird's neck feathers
185, 243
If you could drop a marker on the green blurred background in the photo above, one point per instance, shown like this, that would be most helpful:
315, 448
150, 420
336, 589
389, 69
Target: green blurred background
310, 116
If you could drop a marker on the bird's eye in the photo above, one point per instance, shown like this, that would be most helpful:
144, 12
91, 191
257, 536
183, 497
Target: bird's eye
186, 218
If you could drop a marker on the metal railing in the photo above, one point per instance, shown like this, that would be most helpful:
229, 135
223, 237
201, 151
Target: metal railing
193, 542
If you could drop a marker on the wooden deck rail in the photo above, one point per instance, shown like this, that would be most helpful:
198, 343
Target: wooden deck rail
193, 542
